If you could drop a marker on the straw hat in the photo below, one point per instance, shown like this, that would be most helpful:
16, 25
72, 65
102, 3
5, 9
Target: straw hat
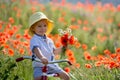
37, 17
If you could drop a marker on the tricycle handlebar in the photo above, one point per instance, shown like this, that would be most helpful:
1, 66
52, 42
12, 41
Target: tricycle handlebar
38, 60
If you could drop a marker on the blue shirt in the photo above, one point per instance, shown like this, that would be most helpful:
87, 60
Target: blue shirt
45, 45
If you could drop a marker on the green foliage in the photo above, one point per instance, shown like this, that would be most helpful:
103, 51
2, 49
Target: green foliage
7, 68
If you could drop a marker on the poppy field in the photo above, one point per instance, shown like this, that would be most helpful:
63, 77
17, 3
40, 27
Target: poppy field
92, 33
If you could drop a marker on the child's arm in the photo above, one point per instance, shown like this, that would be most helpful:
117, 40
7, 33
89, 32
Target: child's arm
40, 56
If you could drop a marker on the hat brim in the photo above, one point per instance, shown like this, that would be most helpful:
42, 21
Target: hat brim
49, 29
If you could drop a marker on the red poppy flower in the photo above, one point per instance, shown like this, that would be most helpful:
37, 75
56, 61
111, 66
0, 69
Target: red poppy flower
118, 50
72, 40
64, 39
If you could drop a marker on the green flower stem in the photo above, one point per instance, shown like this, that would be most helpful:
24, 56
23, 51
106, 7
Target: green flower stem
64, 48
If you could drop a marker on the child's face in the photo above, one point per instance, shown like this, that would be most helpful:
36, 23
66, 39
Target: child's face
40, 27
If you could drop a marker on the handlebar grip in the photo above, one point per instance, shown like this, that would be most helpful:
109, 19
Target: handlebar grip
19, 59
69, 63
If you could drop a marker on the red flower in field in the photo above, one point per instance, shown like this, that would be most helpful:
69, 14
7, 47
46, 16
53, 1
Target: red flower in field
11, 20
57, 44
26, 44
67, 69
88, 66
84, 46
112, 64
18, 36
64, 39
118, 58
26, 36
10, 52
21, 50
98, 63
74, 27
77, 65
113, 55
69, 53
61, 19
72, 40
118, 50
10, 32
87, 55
100, 57
107, 52
77, 44
72, 59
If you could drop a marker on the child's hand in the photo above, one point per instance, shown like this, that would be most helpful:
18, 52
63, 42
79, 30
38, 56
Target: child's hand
44, 60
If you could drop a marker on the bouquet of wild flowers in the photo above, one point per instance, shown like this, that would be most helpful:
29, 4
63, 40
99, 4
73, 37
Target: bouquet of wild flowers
67, 39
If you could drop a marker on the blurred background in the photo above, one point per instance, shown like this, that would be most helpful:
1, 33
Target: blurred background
114, 2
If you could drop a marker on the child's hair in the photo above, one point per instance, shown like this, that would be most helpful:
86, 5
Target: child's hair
36, 17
